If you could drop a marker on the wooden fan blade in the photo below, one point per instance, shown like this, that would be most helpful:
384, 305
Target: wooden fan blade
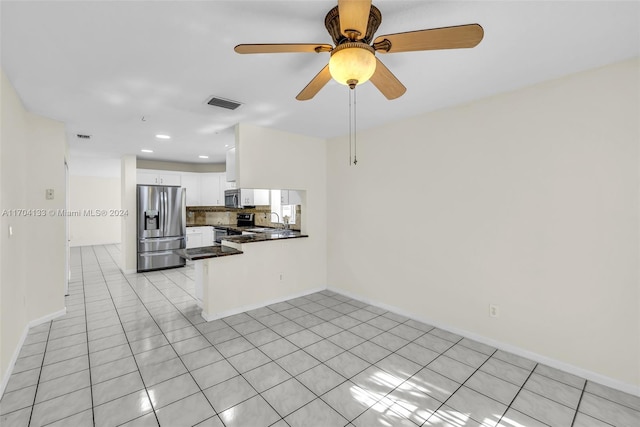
458, 37
283, 48
354, 16
314, 86
386, 82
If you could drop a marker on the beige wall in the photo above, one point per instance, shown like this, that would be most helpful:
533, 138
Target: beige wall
32, 267
268, 158
179, 166
527, 200
128, 224
96, 194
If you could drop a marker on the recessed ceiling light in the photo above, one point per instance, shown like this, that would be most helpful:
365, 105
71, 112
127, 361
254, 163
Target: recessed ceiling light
204, 157
161, 136
226, 145
147, 151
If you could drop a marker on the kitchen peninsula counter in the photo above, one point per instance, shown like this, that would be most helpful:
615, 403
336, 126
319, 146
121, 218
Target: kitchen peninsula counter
262, 274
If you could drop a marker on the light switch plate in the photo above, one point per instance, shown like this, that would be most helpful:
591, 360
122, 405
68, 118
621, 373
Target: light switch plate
49, 193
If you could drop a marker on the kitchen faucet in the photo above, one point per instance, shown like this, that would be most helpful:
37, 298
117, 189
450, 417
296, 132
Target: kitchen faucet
276, 214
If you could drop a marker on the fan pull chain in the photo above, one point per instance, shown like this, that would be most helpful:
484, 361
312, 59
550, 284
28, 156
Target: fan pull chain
350, 132
355, 129
353, 143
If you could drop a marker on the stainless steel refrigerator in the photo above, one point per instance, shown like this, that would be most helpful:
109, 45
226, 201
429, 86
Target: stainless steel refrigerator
161, 226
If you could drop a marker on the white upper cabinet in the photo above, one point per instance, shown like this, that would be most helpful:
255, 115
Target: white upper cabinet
204, 189
191, 184
261, 197
153, 177
290, 197
212, 189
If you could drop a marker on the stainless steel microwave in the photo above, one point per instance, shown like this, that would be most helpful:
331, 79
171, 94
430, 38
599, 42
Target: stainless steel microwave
239, 198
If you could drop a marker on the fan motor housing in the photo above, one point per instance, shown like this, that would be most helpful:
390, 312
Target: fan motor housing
332, 22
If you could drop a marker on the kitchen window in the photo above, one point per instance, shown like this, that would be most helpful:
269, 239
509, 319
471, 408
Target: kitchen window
280, 209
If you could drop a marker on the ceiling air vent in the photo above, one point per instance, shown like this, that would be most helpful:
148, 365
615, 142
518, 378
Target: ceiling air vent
224, 103
83, 136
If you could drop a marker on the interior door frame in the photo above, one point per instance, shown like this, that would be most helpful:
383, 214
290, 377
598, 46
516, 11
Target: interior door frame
67, 234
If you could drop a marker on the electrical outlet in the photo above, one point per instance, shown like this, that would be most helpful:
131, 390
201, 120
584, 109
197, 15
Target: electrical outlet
281, 276
49, 194
494, 310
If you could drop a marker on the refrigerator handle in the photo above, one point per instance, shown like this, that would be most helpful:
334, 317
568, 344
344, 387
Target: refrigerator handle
163, 219
166, 211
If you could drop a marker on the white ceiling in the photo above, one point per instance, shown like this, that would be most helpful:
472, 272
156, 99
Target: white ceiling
100, 66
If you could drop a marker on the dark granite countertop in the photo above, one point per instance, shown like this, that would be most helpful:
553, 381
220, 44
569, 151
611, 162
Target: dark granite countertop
205, 252
214, 225
276, 234
223, 226
235, 227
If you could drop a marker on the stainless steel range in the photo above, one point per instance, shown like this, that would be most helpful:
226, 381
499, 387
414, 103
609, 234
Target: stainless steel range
242, 220
246, 219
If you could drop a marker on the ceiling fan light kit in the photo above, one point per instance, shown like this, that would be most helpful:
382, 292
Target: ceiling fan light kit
352, 63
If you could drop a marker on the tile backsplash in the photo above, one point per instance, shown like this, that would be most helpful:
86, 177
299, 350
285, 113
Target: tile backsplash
219, 215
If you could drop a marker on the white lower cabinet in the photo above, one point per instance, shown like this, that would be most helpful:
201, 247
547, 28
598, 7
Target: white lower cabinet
199, 236
194, 237
207, 236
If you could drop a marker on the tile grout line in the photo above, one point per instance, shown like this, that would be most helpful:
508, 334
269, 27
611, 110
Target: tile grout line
35, 394
518, 393
575, 415
426, 367
84, 295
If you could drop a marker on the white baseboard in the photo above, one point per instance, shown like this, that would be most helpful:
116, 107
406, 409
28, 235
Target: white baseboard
242, 309
563, 366
16, 352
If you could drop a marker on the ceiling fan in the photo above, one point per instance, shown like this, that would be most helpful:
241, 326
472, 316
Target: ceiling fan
352, 25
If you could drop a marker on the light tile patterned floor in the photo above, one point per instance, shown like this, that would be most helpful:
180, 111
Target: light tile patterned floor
133, 350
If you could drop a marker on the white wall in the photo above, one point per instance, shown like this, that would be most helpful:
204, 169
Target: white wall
94, 184
32, 267
528, 200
